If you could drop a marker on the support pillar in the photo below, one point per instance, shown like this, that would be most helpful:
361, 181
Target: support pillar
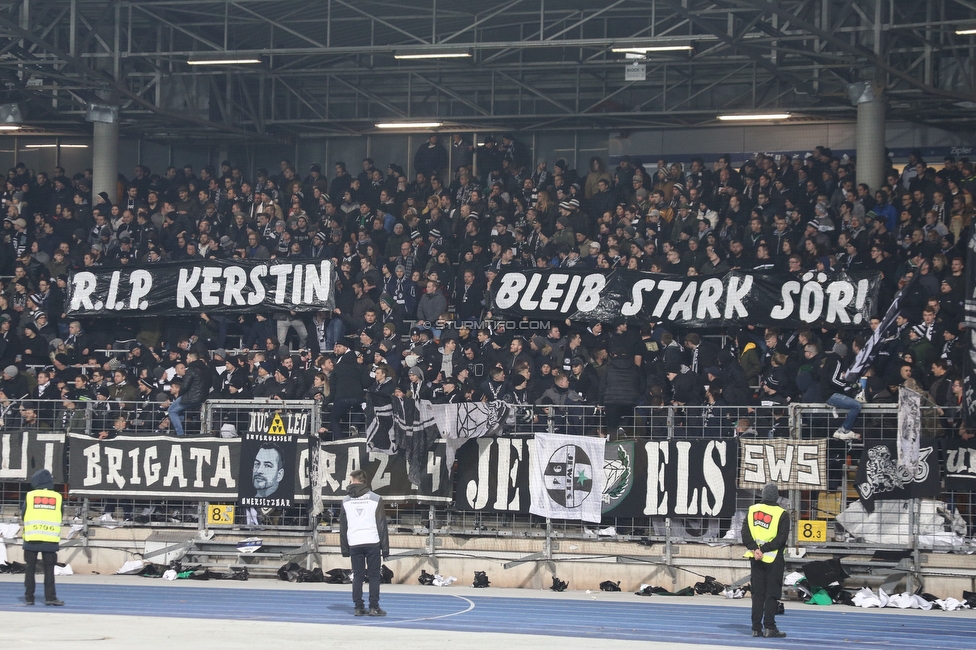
105, 160
871, 143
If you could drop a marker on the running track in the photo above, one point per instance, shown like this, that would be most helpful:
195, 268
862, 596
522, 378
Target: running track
463, 609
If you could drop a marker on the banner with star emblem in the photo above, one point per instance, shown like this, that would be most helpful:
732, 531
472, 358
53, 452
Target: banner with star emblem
566, 477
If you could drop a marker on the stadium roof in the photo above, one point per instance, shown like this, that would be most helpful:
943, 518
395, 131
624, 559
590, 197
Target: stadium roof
338, 67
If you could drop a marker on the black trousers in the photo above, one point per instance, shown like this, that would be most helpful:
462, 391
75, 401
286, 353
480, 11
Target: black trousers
767, 587
614, 414
339, 409
366, 564
49, 560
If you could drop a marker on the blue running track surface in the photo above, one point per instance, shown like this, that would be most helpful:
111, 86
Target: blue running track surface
645, 619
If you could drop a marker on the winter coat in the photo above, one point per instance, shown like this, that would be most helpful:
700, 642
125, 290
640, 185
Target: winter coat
749, 360
431, 306
196, 383
347, 378
622, 383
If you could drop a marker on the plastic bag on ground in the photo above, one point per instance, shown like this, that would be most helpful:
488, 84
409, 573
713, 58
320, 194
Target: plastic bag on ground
132, 567
443, 581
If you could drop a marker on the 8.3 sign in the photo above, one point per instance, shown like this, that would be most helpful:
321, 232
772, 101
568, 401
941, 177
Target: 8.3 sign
811, 531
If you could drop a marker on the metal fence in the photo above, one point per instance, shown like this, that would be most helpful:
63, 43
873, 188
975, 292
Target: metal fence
907, 525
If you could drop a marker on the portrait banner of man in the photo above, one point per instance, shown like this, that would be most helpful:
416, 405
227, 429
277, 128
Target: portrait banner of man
267, 470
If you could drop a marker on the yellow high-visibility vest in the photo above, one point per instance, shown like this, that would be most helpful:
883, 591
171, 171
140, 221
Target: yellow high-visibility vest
763, 522
42, 518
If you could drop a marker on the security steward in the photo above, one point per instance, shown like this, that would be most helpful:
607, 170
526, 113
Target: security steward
765, 533
364, 537
42, 534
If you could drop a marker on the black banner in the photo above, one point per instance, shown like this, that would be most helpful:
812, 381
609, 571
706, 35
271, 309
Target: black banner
969, 364
493, 475
268, 470
959, 461
867, 354
387, 474
154, 466
879, 477
690, 478
212, 286
836, 299
22, 453
676, 478
625, 485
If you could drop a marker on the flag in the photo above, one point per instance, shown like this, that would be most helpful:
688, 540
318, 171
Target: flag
415, 435
879, 476
379, 427
412, 426
566, 477
969, 373
458, 423
909, 427
867, 354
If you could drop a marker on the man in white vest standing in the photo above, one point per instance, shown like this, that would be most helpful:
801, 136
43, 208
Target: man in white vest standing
363, 536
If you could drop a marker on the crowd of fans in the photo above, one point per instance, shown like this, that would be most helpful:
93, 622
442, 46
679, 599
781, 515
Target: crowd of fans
417, 258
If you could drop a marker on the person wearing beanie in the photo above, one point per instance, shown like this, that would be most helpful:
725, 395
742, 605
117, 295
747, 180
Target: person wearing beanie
765, 533
42, 534
282, 388
14, 383
417, 386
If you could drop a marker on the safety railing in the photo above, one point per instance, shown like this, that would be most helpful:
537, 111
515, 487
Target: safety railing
829, 517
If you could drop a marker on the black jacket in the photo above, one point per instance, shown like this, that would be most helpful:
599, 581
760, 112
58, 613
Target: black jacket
621, 384
347, 378
196, 383
778, 543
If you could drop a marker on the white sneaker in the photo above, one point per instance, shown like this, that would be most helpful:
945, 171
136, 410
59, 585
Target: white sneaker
835, 412
844, 434
353, 431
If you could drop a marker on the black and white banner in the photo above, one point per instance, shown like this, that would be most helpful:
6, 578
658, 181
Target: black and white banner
790, 464
625, 479
969, 364
970, 302
387, 474
909, 427
154, 466
642, 477
459, 423
212, 286
22, 453
836, 299
268, 470
689, 478
959, 457
566, 477
868, 353
880, 477
493, 475
410, 427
